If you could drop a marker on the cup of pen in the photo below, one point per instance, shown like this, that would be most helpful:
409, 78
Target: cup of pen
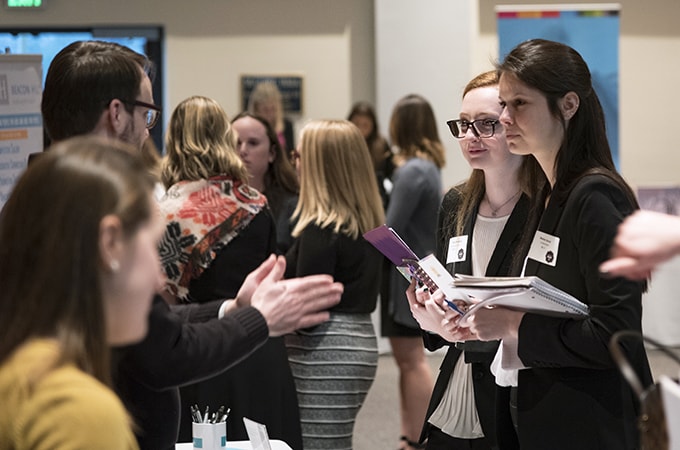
209, 432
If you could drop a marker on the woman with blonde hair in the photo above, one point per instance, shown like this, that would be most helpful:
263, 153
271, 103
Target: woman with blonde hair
412, 212
218, 230
334, 363
266, 101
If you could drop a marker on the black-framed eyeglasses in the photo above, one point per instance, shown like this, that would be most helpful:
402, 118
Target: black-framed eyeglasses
482, 128
153, 112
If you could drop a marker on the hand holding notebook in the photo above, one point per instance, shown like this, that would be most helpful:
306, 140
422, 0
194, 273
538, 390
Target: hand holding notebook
529, 294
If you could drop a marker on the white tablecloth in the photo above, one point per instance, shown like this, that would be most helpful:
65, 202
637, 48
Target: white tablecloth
237, 445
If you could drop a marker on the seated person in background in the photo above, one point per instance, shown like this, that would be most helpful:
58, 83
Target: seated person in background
270, 172
88, 287
266, 101
218, 229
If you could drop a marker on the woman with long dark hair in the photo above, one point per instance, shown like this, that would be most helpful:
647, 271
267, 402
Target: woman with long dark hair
570, 393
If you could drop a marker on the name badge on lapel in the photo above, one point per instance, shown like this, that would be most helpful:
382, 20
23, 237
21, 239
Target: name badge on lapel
457, 249
544, 248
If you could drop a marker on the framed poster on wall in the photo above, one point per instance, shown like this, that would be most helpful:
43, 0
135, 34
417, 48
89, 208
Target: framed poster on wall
290, 87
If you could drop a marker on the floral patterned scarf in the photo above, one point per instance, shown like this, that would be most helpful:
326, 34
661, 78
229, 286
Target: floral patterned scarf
201, 218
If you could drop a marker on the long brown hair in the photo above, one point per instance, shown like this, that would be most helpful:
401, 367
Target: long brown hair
377, 145
413, 129
49, 257
555, 69
281, 173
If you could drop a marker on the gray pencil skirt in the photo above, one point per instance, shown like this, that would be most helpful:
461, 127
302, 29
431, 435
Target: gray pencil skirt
334, 365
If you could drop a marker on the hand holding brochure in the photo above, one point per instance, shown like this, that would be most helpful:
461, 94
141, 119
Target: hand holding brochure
390, 244
529, 294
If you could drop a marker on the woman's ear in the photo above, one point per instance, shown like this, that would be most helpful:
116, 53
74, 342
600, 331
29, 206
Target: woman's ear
569, 104
110, 242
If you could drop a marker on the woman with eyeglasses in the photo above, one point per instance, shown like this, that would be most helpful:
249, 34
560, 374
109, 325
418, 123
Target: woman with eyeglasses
570, 393
412, 213
484, 217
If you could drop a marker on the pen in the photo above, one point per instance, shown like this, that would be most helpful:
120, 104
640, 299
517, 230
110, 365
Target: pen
454, 307
197, 414
225, 415
206, 417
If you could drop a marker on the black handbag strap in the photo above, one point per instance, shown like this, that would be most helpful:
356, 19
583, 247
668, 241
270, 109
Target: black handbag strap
623, 363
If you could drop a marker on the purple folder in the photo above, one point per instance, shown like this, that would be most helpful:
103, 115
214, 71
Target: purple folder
388, 242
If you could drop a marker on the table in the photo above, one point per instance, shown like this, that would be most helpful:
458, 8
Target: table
237, 445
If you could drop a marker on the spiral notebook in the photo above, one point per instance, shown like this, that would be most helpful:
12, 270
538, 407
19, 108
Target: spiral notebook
529, 294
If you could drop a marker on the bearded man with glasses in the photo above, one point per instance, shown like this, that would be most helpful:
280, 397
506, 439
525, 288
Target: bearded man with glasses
103, 88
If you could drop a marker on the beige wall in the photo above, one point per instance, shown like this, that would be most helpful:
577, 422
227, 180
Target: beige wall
209, 43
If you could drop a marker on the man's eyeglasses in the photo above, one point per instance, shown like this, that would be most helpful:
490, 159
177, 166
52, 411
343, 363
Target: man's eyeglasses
482, 128
153, 112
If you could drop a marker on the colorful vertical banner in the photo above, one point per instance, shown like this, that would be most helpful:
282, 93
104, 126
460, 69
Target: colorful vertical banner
593, 30
21, 131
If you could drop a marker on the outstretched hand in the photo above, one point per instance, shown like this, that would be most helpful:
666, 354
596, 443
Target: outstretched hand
254, 278
643, 241
288, 305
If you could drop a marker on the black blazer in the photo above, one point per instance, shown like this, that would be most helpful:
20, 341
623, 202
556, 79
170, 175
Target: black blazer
573, 396
289, 135
147, 375
479, 354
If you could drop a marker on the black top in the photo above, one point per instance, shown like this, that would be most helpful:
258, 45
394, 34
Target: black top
260, 387
174, 353
479, 354
571, 370
288, 135
353, 262
282, 204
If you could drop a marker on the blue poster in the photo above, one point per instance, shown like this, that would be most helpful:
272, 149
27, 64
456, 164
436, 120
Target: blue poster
593, 32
